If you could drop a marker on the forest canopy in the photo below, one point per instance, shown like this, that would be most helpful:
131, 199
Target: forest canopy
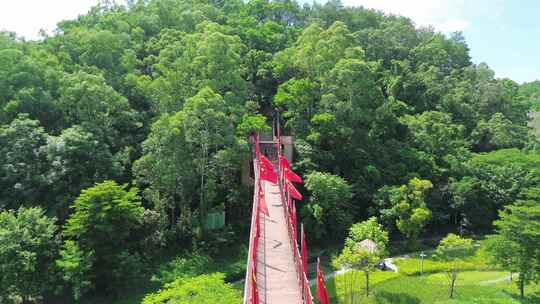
134, 119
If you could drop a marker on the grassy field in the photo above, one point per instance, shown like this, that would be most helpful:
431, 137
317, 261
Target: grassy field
478, 283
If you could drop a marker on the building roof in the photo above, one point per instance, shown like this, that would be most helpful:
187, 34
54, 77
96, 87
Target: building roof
369, 245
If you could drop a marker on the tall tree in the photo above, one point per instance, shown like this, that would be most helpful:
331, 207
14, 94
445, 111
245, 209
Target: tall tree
27, 252
210, 133
23, 164
328, 213
87, 100
516, 244
77, 159
364, 249
405, 206
453, 249
184, 154
102, 225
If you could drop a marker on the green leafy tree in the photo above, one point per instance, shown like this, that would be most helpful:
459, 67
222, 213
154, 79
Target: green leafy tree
531, 92
77, 160
327, 213
358, 257
102, 227
29, 84
368, 229
104, 50
28, 247
499, 96
23, 169
210, 57
436, 134
209, 289
490, 182
184, 267
453, 249
165, 92
169, 175
405, 206
252, 123
87, 100
208, 132
497, 133
188, 156
76, 266
516, 244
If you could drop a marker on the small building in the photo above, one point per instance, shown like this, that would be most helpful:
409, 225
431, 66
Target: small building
369, 245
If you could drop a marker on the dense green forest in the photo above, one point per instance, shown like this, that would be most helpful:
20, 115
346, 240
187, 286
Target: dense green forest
122, 131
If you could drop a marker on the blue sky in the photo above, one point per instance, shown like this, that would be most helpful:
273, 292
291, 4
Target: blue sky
503, 33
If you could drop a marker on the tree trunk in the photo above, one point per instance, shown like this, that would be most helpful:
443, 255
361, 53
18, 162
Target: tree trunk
521, 285
452, 284
202, 211
367, 284
26, 300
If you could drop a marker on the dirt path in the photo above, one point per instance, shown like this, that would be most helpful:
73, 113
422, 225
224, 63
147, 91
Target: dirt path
497, 280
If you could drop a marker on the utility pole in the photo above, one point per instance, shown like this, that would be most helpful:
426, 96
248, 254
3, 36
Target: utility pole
422, 256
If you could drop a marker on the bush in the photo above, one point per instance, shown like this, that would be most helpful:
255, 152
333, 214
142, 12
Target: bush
233, 266
183, 267
208, 289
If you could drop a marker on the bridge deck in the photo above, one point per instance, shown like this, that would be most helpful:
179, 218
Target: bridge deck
281, 284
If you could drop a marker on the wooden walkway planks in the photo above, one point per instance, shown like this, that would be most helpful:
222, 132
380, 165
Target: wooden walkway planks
275, 254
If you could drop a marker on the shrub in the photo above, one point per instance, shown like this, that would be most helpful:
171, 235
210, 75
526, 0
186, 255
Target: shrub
208, 289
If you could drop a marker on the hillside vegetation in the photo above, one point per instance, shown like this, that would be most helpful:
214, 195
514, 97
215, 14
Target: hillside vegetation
122, 132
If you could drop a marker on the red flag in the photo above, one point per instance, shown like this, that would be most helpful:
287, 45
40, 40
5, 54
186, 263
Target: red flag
293, 192
289, 201
304, 252
258, 223
266, 163
291, 176
266, 170
322, 293
254, 288
254, 251
268, 175
284, 163
262, 202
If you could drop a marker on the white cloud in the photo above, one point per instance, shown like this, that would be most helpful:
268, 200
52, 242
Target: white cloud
27, 17
445, 15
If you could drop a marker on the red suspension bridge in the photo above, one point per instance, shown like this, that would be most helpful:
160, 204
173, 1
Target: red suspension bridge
277, 265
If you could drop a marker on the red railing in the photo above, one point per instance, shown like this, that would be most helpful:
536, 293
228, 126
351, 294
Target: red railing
253, 241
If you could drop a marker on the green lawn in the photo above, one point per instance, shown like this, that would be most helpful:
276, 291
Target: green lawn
406, 289
478, 283
482, 285
468, 277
